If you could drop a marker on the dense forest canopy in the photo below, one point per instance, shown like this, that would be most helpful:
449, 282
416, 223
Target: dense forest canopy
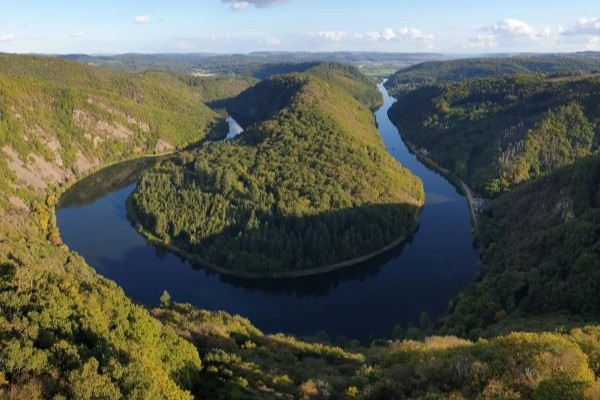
272, 95
241, 362
540, 249
440, 71
307, 184
499, 132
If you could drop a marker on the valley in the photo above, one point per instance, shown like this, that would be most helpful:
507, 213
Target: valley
319, 176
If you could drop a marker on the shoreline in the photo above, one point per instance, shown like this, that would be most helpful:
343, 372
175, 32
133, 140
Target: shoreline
452, 178
132, 215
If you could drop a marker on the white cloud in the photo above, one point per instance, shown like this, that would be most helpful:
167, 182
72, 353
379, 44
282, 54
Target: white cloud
79, 34
333, 36
404, 33
593, 43
141, 19
481, 41
514, 28
271, 41
507, 33
583, 26
241, 5
7, 37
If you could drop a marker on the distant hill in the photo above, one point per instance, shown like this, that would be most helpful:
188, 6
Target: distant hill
308, 184
433, 72
250, 106
498, 132
258, 64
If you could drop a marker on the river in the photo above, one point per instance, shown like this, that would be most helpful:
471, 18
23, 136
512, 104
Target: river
362, 302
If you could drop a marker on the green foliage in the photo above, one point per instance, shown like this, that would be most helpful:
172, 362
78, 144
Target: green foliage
216, 88
496, 133
251, 106
60, 119
75, 334
350, 79
437, 72
540, 251
308, 184
165, 299
514, 366
273, 366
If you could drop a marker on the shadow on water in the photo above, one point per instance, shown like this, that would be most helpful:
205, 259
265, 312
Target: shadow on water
360, 302
104, 182
289, 244
316, 285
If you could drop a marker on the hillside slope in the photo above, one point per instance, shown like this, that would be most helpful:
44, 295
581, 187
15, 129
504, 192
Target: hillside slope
496, 133
66, 331
60, 119
540, 247
308, 184
437, 72
250, 106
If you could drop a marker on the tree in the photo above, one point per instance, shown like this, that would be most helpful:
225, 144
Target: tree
165, 299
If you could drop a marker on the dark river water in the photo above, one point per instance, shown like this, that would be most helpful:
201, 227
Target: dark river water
362, 302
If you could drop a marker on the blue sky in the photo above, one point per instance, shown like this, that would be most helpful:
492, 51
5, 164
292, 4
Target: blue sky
224, 26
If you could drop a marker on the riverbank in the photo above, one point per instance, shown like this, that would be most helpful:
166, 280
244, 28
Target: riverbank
452, 178
196, 259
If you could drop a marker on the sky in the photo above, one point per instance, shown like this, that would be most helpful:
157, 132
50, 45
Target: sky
238, 26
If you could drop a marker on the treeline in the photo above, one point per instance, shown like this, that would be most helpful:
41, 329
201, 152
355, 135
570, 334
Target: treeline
257, 64
437, 72
496, 133
307, 184
215, 88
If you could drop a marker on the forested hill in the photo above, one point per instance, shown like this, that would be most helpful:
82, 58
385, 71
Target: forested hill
59, 119
540, 245
309, 183
66, 331
265, 100
499, 132
531, 142
257, 64
434, 72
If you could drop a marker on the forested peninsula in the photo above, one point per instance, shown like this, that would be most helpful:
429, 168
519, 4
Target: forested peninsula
307, 187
